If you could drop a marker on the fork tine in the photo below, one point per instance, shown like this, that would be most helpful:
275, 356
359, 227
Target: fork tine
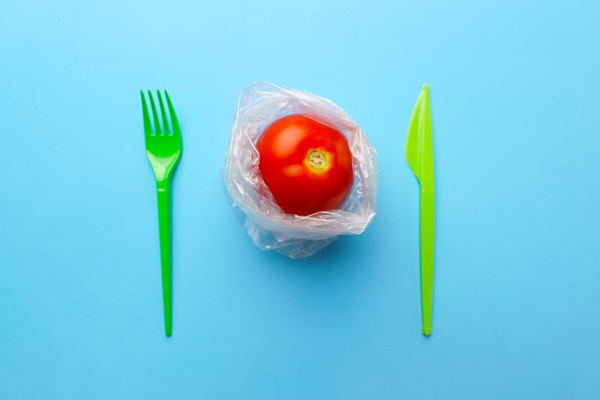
156, 122
163, 113
147, 127
176, 131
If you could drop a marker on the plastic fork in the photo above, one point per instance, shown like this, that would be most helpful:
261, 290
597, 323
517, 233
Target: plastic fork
164, 150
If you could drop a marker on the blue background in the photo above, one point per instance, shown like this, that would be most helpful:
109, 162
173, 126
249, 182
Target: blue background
515, 96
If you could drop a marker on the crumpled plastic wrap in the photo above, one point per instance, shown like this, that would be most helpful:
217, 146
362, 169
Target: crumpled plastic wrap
260, 104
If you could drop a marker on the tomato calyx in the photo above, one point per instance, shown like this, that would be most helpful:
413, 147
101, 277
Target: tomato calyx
316, 159
319, 161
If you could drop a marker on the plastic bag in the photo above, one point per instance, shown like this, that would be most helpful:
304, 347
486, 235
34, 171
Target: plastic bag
260, 104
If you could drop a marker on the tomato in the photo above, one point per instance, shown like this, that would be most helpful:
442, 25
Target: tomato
306, 165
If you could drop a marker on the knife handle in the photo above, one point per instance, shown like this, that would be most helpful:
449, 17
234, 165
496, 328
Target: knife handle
427, 240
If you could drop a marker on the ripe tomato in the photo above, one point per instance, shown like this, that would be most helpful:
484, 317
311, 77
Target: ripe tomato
306, 165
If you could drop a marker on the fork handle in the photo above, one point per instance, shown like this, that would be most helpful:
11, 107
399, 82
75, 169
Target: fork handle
163, 189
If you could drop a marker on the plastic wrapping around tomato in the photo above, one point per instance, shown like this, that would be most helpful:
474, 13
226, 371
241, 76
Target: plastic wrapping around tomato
297, 204
306, 165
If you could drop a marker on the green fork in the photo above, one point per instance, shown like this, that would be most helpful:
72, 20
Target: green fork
164, 152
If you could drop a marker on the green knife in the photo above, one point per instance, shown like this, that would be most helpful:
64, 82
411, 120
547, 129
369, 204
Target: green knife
419, 154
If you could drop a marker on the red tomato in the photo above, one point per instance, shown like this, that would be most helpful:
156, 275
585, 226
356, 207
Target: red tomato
306, 165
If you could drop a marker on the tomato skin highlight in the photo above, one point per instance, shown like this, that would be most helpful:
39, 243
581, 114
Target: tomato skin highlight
306, 165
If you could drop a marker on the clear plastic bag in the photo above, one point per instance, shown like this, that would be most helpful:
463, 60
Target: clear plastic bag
260, 104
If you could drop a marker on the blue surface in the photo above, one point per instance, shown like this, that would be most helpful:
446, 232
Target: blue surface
515, 96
